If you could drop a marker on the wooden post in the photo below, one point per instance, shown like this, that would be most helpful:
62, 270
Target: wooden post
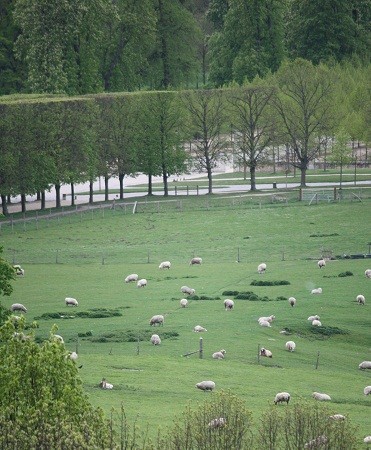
138, 346
187, 190
300, 194
176, 193
201, 348
197, 189
317, 362
238, 254
335, 194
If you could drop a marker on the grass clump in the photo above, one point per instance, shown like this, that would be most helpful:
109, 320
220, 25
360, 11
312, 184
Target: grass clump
95, 313
130, 336
269, 283
345, 274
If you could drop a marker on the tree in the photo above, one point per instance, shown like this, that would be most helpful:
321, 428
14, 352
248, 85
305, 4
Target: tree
341, 153
7, 274
304, 106
253, 125
206, 117
50, 409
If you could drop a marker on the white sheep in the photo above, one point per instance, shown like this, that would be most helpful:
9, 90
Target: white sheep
321, 263
282, 397
104, 385
367, 440
74, 356
367, 390
131, 277
265, 352
264, 323
196, 261
165, 265
199, 329
365, 365
316, 291
157, 320
183, 302
361, 299
290, 346
141, 283
58, 338
155, 339
337, 417
18, 270
316, 323
321, 397
267, 319
311, 318
18, 307
220, 422
368, 273
187, 290
206, 385
292, 301
219, 355
71, 301
228, 304
262, 268
316, 443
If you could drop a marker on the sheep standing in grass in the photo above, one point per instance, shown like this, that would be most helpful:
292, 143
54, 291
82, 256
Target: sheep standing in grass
157, 320
104, 385
187, 290
368, 273
290, 346
199, 329
228, 304
321, 263
155, 339
367, 390
264, 323
57, 338
141, 283
18, 307
292, 301
219, 355
18, 270
282, 397
365, 365
165, 265
262, 268
71, 301
195, 261
131, 277
367, 440
206, 385
316, 291
321, 397
74, 356
220, 422
361, 299
267, 319
316, 323
311, 318
265, 352
183, 302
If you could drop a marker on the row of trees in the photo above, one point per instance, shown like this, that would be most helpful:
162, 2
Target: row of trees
89, 46
59, 140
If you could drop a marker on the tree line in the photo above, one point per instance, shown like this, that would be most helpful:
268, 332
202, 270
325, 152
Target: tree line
79, 47
50, 140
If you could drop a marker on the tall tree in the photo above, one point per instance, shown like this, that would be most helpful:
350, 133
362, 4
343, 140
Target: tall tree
304, 106
341, 153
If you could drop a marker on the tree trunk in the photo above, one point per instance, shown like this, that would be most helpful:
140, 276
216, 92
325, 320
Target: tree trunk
121, 180
23, 202
303, 173
106, 188
91, 192
166, 80
43, 200
72, 194
252, 178
166, 184
4, 205
150, 191
210, 179
57, 195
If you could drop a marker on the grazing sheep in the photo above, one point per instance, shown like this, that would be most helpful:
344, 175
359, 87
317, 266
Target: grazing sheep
367, 390
206, 385
367, 440
219, 355
267, 319
365, 365
311, 318
368, 273
316, 323
183, 302
71, 301
18, 307
321, 263
187, 290
361, 299
262, 268
264, 323
141, 283
199, 329
74, 356
194, 261
265, 352
18, 270
290, 346
217, 423
282, 397
131, 277
228, 304
316, 291
104, 385
158, 319
155, 339
165, 265
292, 301
321, 397
318, 442
337, 417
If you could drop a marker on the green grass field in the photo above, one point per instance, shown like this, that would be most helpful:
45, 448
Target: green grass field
154, 383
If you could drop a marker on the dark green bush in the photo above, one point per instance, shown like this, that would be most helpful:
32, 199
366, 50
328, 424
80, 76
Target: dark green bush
346, 274
269, 283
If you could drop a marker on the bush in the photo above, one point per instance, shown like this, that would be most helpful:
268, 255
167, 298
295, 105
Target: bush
345, 274
269, 283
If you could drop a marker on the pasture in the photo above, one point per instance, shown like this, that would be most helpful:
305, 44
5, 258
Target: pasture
154, 383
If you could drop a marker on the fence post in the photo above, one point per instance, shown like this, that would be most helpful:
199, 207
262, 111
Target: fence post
317, 362
201, 348
187, 190
197, 189
176, 193
300, 194
335, 194
238, 254
56, 257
